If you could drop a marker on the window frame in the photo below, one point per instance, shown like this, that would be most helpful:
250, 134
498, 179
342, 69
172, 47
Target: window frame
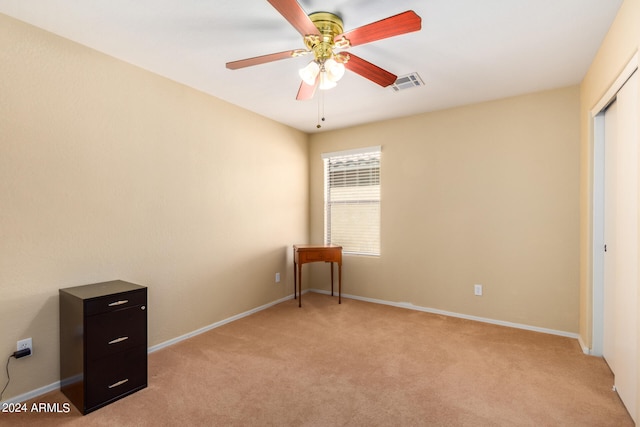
373, 192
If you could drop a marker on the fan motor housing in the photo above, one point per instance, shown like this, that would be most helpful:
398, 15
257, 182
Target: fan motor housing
329, 25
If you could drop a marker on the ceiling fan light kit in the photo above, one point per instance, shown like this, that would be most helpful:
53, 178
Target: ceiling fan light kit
330, 71
323, 35
328, 67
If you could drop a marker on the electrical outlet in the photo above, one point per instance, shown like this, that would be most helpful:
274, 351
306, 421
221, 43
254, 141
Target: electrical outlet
277, 277
477, 290
25, 343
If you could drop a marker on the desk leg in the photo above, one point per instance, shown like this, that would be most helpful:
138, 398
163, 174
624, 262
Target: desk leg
339, 282
294, 273
331, 279
300, 284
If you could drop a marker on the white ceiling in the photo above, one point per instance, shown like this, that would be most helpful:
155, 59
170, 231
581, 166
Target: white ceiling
467, 51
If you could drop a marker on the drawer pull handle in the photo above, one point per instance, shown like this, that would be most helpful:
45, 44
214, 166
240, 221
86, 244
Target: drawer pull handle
117, 340
119, 383
124, 301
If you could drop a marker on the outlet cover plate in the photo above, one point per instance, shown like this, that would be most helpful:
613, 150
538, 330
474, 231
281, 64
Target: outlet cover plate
25, 343
477, 290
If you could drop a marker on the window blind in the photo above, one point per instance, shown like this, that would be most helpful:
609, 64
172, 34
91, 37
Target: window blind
352, 200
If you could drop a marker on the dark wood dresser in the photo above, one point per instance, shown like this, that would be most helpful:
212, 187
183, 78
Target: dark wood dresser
103, 342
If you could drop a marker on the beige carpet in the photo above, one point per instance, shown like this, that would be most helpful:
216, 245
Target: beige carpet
361, 364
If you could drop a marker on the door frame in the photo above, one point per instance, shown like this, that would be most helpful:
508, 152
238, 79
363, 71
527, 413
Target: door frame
597, 208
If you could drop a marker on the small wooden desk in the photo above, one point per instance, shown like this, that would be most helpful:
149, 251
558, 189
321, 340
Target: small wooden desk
316, 253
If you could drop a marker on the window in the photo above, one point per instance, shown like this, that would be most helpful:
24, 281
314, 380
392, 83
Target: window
352, 200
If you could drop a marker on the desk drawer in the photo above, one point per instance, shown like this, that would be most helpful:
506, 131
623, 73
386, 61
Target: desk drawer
319, 255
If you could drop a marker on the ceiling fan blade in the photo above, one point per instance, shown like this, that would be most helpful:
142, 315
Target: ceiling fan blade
396, 25
369, 71
307, 91
262, 59
296, 16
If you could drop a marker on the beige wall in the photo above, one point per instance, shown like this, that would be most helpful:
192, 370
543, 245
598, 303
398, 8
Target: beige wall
619, 46
110, 172
483, 194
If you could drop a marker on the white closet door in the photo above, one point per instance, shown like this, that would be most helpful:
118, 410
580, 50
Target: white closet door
620, 343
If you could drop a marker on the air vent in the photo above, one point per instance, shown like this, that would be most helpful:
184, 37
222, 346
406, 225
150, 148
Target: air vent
407, 82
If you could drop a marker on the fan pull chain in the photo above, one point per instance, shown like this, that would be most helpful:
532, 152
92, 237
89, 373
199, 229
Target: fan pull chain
320, 109
318, 122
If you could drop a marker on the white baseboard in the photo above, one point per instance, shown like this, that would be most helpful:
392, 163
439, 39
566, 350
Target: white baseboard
217, 324
585, 349
54, 386
461, 316
33, 393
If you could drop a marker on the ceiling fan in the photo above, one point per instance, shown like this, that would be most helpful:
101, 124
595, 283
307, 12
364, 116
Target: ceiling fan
324, 37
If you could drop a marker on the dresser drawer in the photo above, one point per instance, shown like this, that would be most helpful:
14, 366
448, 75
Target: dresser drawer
113, 377
116, 302
109, 333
